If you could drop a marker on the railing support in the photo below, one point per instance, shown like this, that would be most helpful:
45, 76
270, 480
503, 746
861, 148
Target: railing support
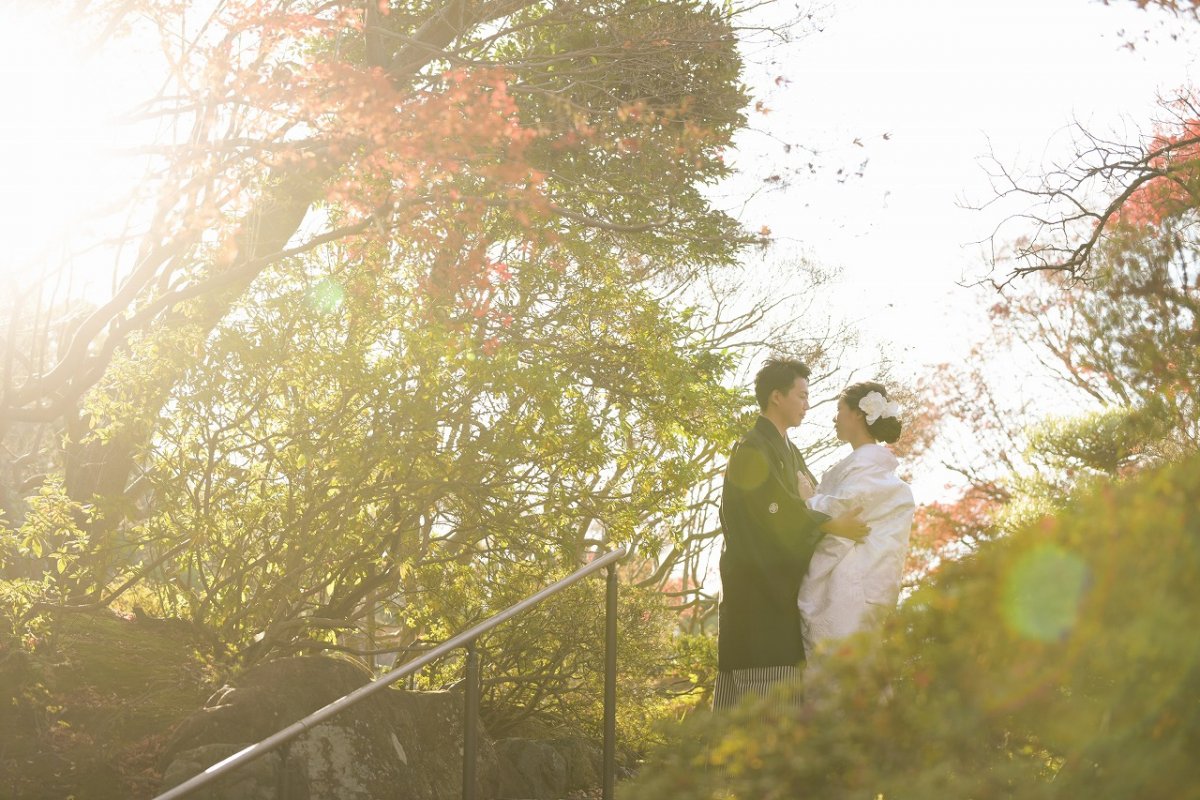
466, 639
281, 780
610, 683
471, 723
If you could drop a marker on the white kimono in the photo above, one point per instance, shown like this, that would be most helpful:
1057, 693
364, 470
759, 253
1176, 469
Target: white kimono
851, 586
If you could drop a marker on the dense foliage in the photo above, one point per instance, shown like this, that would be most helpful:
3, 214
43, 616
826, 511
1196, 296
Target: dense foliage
1060, 662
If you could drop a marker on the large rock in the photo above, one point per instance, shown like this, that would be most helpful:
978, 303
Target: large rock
257, 779
548, 769
395, 744
531, 770
584, 760
427, 735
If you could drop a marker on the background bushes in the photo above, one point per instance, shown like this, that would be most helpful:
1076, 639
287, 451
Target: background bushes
1062, 661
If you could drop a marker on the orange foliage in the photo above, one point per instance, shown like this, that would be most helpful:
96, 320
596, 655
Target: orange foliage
1174, 162
945, 530
274, 95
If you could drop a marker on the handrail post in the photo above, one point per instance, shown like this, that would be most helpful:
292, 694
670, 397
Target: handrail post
281, 780
470, 722
610, 683
371, 625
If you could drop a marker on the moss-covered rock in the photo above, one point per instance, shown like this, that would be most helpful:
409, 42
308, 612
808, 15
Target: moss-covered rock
85, 713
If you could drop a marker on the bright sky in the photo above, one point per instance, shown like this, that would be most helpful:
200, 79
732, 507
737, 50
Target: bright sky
942, 78
58, 133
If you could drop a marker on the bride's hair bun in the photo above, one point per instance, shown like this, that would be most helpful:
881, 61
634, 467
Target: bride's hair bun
883, 429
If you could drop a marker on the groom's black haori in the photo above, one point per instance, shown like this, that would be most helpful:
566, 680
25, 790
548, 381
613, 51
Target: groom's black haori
770, 535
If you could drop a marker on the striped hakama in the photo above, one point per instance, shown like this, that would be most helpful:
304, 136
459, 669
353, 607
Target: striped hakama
735, 684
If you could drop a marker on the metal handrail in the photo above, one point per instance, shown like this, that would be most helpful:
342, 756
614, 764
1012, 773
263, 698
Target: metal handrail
465, 639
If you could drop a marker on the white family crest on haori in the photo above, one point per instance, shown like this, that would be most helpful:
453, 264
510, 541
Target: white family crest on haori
851, 586
875, 406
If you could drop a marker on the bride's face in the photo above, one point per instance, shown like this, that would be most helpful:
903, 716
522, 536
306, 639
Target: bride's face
847, 420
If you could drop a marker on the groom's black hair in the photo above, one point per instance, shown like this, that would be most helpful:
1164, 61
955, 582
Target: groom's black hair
777, 373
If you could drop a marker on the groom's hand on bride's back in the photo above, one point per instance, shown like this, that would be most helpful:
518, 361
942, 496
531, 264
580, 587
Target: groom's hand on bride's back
849, 525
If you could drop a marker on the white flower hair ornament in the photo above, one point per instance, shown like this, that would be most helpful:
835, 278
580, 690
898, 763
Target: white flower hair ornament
875, 406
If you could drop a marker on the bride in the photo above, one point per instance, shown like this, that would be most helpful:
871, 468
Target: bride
851, 586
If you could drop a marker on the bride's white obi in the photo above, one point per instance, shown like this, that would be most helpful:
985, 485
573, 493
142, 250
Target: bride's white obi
851, 586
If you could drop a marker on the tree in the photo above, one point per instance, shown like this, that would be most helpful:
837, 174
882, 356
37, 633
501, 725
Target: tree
406, 127
1175, 6
1079, 206
1122, 340
1115, 352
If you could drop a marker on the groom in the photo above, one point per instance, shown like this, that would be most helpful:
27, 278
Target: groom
770, 535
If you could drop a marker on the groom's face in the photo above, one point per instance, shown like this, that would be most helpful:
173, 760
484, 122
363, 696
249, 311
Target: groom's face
793, 404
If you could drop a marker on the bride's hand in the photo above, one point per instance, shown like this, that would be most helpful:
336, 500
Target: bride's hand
804, 486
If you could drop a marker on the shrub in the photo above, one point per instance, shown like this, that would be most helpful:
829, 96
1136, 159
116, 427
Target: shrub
1058, 662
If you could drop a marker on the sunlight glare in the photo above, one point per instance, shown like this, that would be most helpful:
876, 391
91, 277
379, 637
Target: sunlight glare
58, 105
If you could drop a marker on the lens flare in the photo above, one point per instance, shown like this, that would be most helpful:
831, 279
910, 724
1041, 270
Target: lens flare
327, 296
1042, 593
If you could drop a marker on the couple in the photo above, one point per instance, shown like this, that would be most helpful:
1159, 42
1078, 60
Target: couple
805, 565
